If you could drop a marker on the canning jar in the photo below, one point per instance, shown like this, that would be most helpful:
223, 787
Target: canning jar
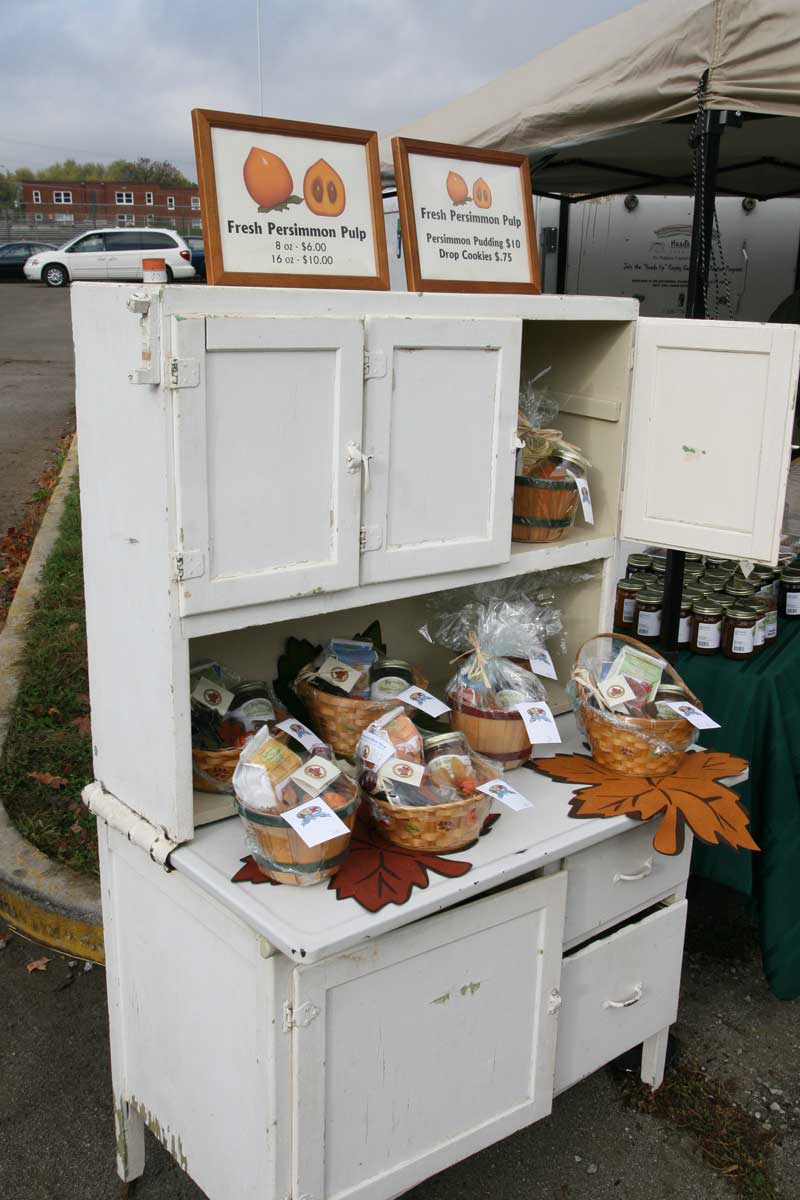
443, 748
647, 616
685, 621
706, 630
389, 678
637, 563
738, 633
790, 593
627, 591
740, 588
759, 606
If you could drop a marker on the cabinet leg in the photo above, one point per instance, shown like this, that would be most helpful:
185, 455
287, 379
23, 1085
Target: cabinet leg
654, 1055
130, 1143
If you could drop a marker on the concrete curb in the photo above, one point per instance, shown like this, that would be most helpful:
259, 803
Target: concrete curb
38, 896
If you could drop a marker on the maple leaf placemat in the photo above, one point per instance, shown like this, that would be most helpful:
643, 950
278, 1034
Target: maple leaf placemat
692, 795
376, 873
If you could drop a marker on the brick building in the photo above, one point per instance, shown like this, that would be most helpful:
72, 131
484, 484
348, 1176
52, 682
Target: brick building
105, 202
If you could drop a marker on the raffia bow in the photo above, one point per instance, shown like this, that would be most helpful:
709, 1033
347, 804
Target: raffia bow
477, 668
539, 443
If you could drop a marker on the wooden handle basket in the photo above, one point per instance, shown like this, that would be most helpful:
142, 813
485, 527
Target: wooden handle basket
437, 828
544, 509
340, 720
634, 745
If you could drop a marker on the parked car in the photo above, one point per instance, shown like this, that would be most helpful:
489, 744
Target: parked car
111, 254
14, 255
198, 250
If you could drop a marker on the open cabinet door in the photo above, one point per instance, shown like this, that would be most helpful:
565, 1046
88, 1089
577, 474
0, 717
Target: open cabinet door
440, 422
265, 410
709, 440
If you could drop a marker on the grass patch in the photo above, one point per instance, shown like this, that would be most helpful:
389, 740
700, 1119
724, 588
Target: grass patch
47, 758
733, 1143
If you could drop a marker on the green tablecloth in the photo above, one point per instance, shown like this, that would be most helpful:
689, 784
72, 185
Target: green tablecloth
757, 703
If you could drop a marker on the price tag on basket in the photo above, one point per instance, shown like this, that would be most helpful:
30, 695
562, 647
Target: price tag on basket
505, 794
419, 698
315, 775
301, 733
334, 671
212, 695
585, 497
375, 748
542, 664
315, 822
694, 715
402, 771
540, 724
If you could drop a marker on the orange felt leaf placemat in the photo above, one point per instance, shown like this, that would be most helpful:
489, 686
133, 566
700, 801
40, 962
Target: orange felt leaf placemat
692, 795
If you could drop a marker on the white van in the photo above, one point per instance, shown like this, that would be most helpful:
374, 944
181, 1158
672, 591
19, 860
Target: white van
111, 254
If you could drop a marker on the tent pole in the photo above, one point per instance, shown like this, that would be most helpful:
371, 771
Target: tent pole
563, 239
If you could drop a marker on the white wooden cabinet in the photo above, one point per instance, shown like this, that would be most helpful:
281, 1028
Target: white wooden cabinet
257, 463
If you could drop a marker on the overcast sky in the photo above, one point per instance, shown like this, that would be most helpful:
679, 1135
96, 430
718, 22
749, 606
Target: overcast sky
96, 80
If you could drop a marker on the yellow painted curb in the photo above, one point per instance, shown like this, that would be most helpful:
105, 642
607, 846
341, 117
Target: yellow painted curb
70, 936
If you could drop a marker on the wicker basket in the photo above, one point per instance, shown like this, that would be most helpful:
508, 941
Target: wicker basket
212, 770
543, 508
282, 855
340, 720
438, 828
497, 734
625, 745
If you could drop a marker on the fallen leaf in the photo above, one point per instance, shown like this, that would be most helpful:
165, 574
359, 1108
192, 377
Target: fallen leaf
83, 725
47, 780
73, 626
38, 964
5, 938
692, 795
54, 712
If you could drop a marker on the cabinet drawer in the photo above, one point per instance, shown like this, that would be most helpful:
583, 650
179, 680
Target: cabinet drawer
617, 992
609, 881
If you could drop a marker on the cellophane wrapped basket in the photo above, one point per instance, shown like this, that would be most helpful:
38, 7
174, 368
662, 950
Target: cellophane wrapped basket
641, 736
445, 811
264, 790
340, 719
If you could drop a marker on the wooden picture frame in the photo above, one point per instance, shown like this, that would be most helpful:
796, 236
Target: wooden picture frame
228, 177
524, 257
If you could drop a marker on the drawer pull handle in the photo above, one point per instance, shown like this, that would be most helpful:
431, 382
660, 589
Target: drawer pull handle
645, 871
634, 999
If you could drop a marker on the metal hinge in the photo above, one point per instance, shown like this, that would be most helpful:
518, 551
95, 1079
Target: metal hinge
188, 564
298, 1018
554, 1002
374, 364
370, 538
183, 373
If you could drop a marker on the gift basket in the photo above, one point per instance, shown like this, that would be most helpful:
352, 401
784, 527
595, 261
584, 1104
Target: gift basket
622, 694
273, 779
225, 713
549, 469
423, 794
350, 684
495, 637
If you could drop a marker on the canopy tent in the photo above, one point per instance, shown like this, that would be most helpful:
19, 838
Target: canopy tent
610, 109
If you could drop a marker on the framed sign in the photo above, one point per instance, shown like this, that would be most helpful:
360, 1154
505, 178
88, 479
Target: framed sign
289, 204
466, 218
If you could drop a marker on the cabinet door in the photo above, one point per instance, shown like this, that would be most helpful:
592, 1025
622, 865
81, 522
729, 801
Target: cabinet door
440, 420
426, 1045
266, 505
710, 434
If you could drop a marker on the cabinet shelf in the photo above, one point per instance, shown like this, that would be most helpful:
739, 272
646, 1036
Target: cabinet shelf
579, 545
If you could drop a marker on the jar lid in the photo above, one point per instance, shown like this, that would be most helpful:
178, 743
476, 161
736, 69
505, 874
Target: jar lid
716, 577
741, 614
253, 687
713, 560
639, 560
723, 599
634, 583
651, 596
692, 558
694, 569
758, 603
691, 589
671, 689
740, 587
790, 574
438, 739
707, 608
570, 454
659, 566
394, 662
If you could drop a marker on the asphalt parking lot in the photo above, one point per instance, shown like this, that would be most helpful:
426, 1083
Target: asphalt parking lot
37, 388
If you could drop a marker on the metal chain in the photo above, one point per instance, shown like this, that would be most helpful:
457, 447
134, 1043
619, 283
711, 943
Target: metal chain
699, 143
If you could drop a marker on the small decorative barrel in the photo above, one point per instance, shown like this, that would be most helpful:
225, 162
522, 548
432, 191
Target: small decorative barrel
283, 856
543, 508
498, 734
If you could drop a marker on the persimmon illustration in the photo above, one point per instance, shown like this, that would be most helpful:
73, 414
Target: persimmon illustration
267, 178
482, 193
457, 187
323, 190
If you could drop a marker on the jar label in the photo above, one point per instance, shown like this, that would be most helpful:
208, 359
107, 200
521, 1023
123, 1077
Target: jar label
772, 624
388, 687
793, 604
649, 623
759, 633
684, 630
627, 610
708, 636
742, 641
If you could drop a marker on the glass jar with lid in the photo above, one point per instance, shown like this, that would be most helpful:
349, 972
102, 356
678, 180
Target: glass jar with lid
738, 633
389, 678
685, 620
659, 567
759, 606
693, 570
706, 627
740, 588
790, 593
627, 591
718, 578
637, 563
647, 615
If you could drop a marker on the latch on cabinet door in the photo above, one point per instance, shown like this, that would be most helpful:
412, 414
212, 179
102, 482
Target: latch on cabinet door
298, 1018
355, 459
